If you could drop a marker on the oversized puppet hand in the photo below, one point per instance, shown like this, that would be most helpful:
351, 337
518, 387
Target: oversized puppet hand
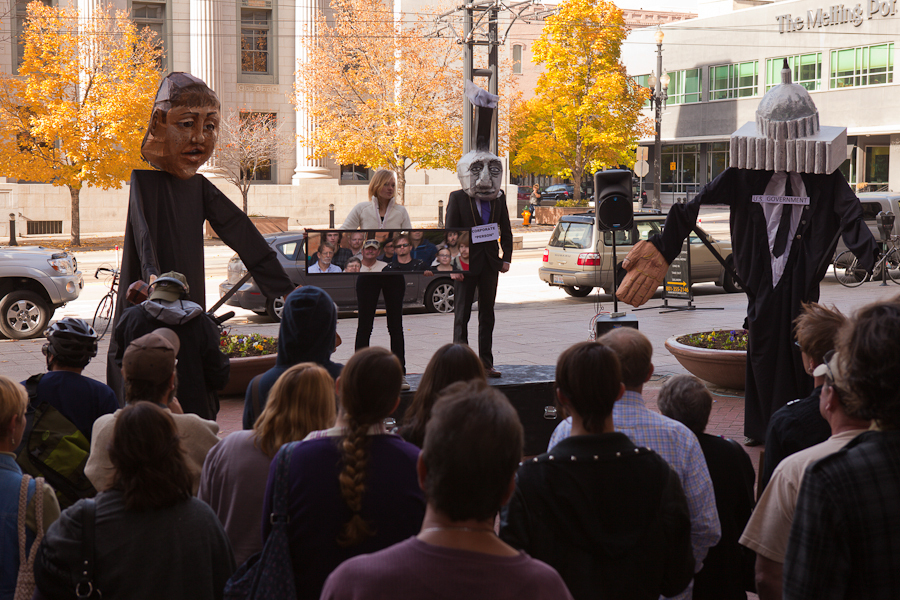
646, 270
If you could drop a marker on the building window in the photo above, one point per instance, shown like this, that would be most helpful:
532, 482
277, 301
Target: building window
716, 159
642, 80
21, 18
151, 15
355, 174
517, 59
266, 127
684, 86
806, 70
870, 65
738, 80
680, 168
877, 162
256, 47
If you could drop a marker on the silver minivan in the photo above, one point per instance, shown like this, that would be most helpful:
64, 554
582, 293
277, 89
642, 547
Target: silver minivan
578, 260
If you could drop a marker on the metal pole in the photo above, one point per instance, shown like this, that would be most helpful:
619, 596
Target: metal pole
468, 66
12, 230
493, 65
657, 143
331, 216
440, 214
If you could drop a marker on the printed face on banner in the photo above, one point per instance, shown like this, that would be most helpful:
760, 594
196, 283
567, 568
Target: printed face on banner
387, 251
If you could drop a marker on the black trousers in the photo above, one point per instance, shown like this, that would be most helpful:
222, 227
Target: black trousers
392, 287
464, 294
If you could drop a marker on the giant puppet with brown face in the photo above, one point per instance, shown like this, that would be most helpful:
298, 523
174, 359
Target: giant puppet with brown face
168, 206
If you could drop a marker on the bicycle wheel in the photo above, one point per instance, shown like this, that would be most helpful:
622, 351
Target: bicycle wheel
893, 265
103, 316
847, 271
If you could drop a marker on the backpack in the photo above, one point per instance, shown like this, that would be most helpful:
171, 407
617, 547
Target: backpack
53, 448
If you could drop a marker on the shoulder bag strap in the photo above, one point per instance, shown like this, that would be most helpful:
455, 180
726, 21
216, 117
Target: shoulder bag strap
85, 586
23, 506
280, 493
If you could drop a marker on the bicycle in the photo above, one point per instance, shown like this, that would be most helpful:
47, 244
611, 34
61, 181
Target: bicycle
103, 316
848, 272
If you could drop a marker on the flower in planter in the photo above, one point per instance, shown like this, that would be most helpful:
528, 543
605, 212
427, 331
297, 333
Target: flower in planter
732, 339
241, 345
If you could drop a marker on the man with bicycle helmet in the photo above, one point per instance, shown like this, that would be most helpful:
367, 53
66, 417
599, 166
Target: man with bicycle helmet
71, 344
202, 368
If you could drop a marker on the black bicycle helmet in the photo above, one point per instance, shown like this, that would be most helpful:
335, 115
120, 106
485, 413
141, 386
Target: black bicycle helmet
72, 342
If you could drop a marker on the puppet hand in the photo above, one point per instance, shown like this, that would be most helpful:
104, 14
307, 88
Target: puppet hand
456, 276
646, 270
505, 267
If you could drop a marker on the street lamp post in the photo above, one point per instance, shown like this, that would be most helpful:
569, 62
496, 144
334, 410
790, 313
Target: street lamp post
658, 97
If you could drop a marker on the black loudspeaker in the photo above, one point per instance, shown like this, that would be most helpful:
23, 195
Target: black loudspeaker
606, 323
613, 197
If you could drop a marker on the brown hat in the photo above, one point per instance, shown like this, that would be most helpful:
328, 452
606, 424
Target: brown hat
151, 357
169, 286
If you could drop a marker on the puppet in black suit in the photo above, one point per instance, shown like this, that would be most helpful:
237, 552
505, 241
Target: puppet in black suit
480, 202
167, 208
788, 204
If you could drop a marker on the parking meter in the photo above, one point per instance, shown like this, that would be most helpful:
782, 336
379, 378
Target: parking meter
885, 222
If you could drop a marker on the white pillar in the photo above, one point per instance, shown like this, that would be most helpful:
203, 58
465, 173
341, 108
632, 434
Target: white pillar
206, 18
305, 25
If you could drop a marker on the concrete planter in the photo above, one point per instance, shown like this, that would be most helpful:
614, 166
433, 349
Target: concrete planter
243, 370
724, 368
265, 225
549, 215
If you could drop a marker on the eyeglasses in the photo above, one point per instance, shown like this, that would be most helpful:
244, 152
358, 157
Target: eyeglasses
401, 245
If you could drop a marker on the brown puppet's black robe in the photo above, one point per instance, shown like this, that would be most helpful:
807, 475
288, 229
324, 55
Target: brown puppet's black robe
164, 233
775, 373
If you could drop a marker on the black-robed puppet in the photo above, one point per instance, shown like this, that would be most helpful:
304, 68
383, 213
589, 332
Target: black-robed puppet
167, 208
788, 203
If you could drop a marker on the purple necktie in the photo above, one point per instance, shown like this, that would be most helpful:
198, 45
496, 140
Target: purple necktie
486, 211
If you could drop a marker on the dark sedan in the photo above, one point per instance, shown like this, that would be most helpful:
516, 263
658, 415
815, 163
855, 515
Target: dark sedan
434, 293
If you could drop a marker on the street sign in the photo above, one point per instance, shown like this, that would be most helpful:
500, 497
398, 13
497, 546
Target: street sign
641, 168
672, 166
641, 154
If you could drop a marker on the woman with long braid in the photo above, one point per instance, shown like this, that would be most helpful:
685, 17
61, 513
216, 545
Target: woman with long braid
353, 488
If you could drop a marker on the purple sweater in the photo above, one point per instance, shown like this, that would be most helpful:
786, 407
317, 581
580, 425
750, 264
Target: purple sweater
413, 569
392, 503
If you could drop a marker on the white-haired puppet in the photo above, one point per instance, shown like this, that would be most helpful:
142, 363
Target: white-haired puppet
789, 202
481, 205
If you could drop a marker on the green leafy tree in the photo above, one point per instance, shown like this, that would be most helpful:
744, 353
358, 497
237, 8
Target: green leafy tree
587, 113
75, 114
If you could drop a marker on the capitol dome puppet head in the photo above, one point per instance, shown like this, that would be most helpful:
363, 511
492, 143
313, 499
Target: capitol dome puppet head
480, 171
787, 136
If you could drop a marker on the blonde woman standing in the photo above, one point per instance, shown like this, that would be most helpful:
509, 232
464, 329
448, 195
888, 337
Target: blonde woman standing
233, 481
380, 212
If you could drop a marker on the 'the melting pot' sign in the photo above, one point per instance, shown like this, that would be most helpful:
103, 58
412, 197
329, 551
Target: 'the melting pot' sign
837, 14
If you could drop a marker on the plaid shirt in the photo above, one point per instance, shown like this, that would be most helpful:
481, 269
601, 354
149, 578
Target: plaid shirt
844, 539
679, 447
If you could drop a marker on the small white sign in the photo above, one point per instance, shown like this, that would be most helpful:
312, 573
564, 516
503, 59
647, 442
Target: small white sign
781, 199
485, 233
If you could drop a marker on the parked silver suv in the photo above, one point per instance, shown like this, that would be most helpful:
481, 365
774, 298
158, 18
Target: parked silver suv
578, 260
34, 282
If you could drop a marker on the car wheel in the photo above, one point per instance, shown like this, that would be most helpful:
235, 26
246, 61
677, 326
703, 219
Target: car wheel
730, 284
23, 314
578, 291
439, 296
274, 308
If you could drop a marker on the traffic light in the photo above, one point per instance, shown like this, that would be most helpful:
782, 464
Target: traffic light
613, 198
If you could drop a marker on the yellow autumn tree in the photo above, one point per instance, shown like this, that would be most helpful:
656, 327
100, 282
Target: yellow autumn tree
587, 113
380, 92
75, 115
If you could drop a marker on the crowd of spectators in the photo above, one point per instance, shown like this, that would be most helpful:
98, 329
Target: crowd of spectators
626, 502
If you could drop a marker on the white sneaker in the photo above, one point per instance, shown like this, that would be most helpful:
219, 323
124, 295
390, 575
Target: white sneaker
404, 385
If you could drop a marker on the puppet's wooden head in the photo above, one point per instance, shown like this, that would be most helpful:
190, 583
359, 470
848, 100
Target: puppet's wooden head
184, 126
